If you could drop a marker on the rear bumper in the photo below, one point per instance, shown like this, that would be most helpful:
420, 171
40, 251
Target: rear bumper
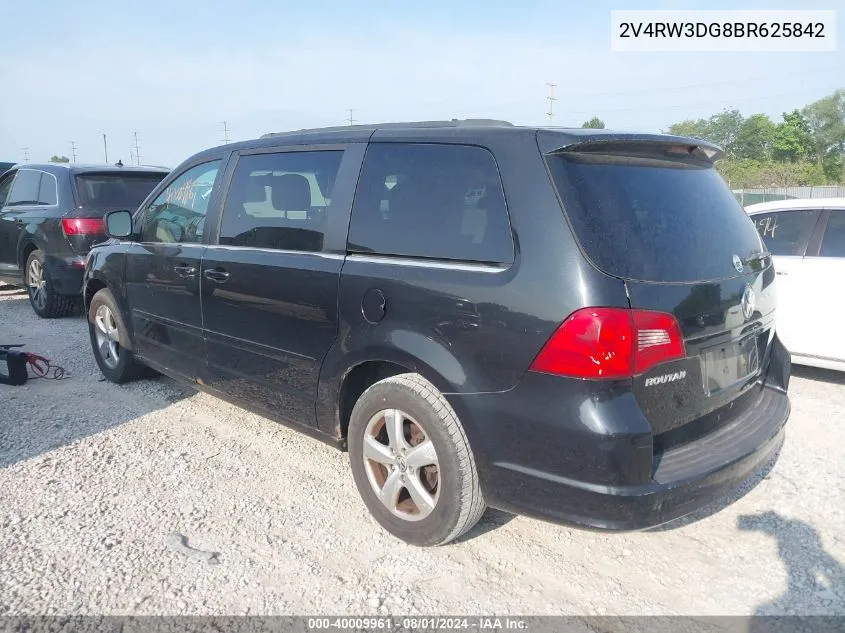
66, 274
515, 488
592, 463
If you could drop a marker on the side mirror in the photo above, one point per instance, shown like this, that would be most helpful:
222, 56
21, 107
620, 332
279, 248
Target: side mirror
118, 224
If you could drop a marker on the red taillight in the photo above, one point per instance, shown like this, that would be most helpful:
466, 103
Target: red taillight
83, 226
607, 343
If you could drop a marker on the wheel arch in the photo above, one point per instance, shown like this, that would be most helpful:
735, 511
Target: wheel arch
27, 245
342, 384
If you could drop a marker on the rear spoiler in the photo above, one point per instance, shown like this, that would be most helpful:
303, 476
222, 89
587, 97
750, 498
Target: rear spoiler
645, 145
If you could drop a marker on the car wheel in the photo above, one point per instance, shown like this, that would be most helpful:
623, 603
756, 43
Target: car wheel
110, 340
412, 463
44, 300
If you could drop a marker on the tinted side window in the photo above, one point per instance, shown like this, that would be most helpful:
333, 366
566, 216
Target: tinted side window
177, 215
785, 232
833, 243
436, 201
47, 193
25, 189
5, 187
280, 200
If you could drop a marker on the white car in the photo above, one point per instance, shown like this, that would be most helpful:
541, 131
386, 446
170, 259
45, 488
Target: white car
807, 240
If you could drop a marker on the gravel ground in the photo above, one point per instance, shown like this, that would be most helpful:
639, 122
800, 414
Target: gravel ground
99, 484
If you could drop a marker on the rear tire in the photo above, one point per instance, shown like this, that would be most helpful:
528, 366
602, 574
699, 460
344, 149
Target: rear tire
45, 301
418, 480
110, 340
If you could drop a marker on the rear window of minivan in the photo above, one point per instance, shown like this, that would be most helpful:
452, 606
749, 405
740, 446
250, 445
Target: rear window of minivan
653, 220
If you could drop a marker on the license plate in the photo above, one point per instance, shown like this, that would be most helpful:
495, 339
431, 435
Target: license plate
731, 363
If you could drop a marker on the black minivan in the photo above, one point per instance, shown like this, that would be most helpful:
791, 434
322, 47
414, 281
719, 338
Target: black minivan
577, 325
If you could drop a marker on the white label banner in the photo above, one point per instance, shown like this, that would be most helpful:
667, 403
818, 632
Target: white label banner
715, 31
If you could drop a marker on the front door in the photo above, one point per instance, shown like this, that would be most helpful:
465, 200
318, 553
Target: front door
270, 281
163, 273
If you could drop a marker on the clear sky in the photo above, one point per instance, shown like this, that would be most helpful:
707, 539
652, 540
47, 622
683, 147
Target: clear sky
174, 71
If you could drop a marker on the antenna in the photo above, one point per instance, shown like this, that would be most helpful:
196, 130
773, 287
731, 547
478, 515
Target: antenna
552, 100
350, 119
25, 151
225, 132
105, 149
73, 150
137, 150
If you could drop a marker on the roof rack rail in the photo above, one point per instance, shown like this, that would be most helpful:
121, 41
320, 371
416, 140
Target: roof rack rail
398, 124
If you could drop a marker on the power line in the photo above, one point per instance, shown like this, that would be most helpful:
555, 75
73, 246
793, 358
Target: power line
552, 100
137, 150
732, 82
225, 132
73, 150
25, 151
694, 104
350, 119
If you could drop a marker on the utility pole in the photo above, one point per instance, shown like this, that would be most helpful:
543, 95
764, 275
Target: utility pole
552, 100
105, 149
137, 150
225, 132
73, 150
350, 119
25, 154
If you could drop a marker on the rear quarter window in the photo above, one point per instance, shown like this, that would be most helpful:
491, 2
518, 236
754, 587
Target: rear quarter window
431, 201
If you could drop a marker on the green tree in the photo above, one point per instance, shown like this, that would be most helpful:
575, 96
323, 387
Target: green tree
724, 130
826, 121
792, 140
754, 138
59, 159
769, 173
594, 123
721, 129
699, 128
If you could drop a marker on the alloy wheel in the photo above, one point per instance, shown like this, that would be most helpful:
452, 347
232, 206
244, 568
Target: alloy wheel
108, 339
402, 465
37, 284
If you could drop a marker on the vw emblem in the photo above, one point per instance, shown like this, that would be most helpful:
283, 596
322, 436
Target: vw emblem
748, 303
738, 263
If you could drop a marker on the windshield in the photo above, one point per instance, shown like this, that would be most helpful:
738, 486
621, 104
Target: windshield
126, 190
654, 220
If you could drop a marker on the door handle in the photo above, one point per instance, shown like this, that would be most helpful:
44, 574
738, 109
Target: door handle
217, 276
185, 271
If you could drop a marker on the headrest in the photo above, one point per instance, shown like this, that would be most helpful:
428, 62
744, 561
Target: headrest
291, 192
255, 189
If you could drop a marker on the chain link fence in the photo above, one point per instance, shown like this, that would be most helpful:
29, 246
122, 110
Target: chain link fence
767, 194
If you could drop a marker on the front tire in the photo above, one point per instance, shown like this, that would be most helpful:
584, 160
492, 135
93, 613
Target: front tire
110, 339
412, 463
45, 301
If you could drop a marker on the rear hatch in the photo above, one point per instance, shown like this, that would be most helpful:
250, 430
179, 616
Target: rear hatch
96, 194
655, 213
